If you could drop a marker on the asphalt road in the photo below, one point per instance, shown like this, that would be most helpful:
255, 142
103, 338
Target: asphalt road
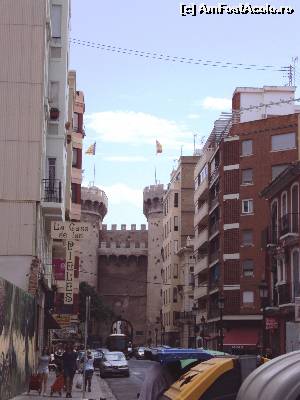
127, 388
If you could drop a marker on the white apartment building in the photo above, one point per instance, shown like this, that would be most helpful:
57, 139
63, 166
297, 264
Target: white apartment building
33, 95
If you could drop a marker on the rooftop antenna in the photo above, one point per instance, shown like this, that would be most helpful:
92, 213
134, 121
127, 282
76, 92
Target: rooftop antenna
195, 135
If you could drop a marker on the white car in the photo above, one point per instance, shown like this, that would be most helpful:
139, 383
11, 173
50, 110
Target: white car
114, 363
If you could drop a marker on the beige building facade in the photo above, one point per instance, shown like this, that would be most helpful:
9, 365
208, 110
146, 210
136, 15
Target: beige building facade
178, 223
153, 211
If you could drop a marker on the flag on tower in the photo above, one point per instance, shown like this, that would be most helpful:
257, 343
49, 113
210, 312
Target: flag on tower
91, 150
158, 147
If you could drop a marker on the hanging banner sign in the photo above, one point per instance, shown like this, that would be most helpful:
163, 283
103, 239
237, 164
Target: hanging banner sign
70, 230
69, 272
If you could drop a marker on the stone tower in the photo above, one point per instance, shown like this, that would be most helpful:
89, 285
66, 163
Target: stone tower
153, 211
93, 210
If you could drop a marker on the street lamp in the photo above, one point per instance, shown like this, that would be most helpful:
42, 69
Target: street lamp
203, 329
263, 294
221, 302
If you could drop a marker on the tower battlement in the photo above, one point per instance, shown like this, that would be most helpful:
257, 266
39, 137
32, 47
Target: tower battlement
94, 201
152, 199
123, 227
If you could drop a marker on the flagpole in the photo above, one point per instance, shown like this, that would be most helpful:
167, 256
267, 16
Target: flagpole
94, 173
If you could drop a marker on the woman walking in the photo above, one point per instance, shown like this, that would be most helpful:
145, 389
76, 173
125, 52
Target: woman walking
69, 367
43, 369
88, 370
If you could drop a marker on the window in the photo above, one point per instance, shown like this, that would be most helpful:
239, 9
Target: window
284, 205
281, 271
285, 141
175, 199
75, 157
55, 52
295, 208
277, 169
247, 147
175, 223
175, 246
201, 176
248, 268
248, 297
247, 206
247, 176
54, 94
56, 10
76, 188
75, 122
247, 237
175, 295
296, 273
52, 168
175, 271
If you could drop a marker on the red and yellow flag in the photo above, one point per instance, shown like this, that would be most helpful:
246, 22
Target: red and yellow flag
158, 147
91, 150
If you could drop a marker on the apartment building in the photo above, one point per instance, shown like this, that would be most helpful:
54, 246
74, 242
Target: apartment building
248, 151
178, 224
65, 314
280, 240
33, 93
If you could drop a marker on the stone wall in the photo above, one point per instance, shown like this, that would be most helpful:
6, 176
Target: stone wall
17, 339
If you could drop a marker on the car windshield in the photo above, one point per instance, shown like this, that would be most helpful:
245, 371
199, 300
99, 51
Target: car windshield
115, 357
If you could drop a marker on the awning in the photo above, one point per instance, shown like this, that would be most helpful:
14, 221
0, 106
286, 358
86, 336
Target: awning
241, 337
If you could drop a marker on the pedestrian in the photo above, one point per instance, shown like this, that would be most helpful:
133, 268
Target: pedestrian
43, 369
88, 369
69, 368
158, 379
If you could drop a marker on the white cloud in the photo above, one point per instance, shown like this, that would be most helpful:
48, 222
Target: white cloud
216, 103
139, 128
125, 158
119, 193
194, 116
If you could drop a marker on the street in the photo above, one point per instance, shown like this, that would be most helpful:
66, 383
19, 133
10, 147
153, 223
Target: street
127, 388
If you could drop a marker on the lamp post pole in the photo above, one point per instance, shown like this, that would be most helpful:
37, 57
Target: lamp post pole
203, 330
221, 302
156, 332
263, 294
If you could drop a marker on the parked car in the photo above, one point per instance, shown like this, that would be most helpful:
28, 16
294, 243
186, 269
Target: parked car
139, 353
98, 356
114, 363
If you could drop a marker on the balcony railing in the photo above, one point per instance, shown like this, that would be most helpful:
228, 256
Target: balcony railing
186, 316
214, 228
214, 174
214, 201
214, 256
52, 190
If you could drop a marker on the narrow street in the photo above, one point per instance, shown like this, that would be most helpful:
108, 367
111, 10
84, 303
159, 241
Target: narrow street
127, 388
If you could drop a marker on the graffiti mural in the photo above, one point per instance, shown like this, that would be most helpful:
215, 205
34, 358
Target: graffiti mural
17, 338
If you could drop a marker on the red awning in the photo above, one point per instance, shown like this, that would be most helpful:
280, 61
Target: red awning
241, 337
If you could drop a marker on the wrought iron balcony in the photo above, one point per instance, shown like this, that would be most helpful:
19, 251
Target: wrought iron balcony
282, 294
52, 191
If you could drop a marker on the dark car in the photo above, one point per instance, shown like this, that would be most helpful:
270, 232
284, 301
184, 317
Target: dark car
139, 353
114, 363
98, 357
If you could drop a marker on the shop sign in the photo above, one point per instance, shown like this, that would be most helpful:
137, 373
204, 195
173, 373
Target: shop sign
271, 323
69, 272
70, 230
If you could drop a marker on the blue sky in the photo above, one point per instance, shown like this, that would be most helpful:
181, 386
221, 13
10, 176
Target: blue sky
131, 101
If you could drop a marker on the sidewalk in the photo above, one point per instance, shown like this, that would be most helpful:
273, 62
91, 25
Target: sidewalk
100, 390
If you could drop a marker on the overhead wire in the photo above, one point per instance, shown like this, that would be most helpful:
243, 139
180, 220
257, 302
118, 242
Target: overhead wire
179, 59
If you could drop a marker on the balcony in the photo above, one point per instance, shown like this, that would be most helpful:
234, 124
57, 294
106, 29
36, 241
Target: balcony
201, 192
214, 284
214, 256
201, 214
201, 264
186, 316
214, 228
200, 291
289, 225
214, 175
52, 199
201, 238
214, 202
